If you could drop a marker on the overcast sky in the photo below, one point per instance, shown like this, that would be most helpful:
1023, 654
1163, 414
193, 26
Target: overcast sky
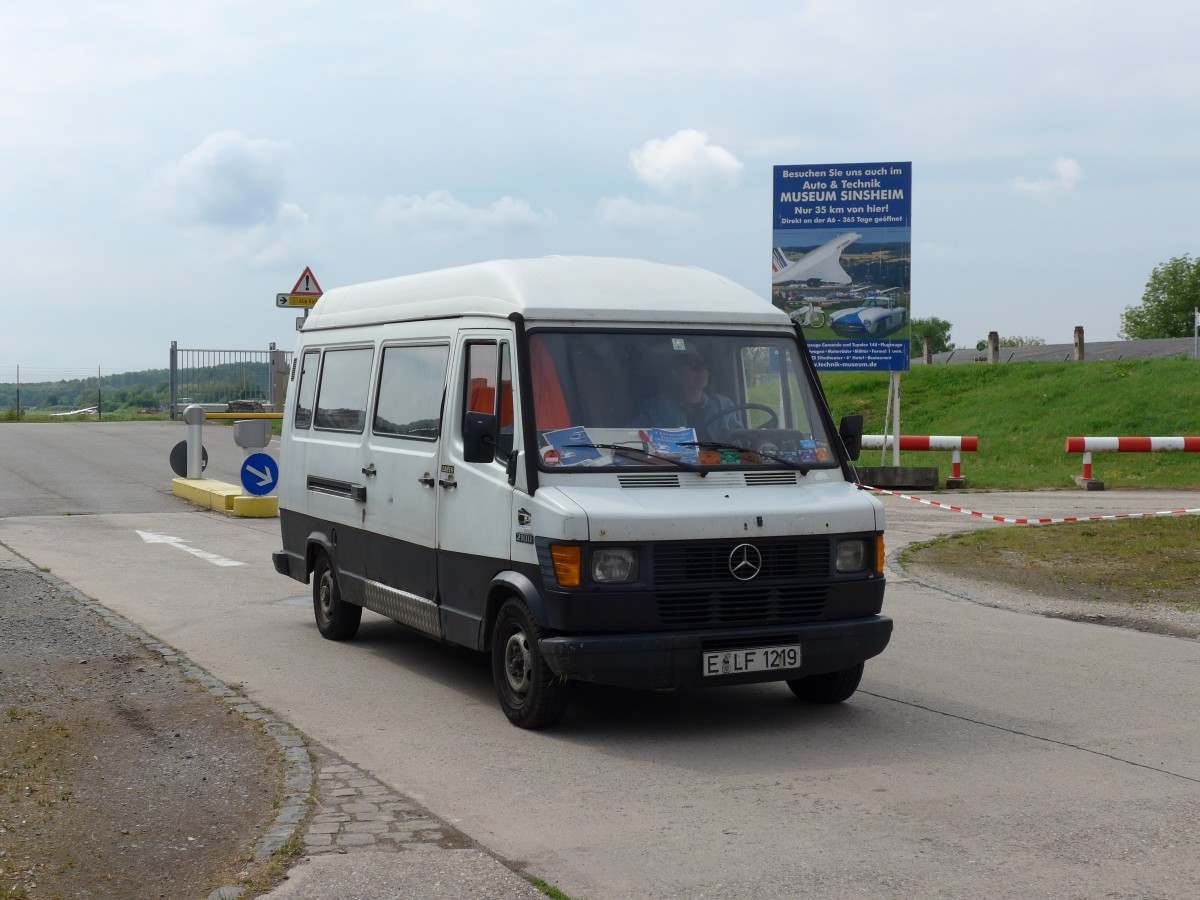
166, 168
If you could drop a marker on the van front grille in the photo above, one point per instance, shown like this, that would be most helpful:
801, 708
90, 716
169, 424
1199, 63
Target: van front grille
705, 562
737, 606
694, 585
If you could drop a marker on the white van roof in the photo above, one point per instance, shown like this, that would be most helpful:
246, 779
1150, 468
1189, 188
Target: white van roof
563, 288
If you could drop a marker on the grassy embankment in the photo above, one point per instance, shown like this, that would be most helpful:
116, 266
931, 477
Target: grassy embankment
1022, 414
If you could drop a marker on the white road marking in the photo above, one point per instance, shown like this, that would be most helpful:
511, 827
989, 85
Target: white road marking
151, 538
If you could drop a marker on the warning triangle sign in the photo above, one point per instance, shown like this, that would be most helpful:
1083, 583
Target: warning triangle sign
307, 285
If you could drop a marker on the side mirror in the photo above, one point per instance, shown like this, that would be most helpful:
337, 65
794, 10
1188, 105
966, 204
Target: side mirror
479, 437
850, 429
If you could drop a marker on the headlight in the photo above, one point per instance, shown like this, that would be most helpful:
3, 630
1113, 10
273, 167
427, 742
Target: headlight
614, 565
852, 556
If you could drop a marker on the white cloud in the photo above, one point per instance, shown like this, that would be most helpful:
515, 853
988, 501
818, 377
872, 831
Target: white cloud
273, 243
229, 180
686, 160
1067, 173
629, 215
440, 212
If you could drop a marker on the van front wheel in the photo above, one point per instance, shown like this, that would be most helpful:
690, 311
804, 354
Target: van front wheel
829, 687
336, 619
530, 694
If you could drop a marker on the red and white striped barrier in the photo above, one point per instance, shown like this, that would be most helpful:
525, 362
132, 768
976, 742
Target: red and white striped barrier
956, 444
1089, 445
1011, 520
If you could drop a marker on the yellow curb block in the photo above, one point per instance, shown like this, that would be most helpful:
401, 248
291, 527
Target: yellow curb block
225, 498
256, 507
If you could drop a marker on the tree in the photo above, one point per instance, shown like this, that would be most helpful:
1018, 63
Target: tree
938, 331
1171, 295
1017, 340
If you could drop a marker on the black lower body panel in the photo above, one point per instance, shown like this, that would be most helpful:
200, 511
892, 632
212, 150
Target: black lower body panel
674, 659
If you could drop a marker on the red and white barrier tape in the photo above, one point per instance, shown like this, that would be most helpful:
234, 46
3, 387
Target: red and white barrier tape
1018, 521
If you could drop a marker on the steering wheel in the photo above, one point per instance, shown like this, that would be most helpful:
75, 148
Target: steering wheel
772, 421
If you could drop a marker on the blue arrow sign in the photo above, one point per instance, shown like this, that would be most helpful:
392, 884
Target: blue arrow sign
260, 473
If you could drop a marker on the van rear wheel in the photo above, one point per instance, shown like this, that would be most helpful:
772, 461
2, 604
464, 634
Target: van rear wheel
336, 619
530, 694
828, 687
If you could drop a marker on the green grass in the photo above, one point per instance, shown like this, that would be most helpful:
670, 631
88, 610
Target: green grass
125, 414
1133, 561
1022, 414
548, 889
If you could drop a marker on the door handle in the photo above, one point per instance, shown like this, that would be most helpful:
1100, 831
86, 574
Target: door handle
448, 483
369, 471
426, 480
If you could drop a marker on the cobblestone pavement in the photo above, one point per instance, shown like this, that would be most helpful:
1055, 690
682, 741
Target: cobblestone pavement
353, 811
363, 839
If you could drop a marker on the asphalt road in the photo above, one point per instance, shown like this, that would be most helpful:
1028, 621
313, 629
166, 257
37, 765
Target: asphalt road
988, 752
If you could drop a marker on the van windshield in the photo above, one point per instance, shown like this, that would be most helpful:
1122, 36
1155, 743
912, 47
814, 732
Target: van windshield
690, 399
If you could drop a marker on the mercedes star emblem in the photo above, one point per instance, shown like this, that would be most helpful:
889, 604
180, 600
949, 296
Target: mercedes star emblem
745, 562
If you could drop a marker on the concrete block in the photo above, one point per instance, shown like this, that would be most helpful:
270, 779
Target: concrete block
897, 477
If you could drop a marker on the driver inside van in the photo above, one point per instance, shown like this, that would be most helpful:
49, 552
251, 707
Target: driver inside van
687, 402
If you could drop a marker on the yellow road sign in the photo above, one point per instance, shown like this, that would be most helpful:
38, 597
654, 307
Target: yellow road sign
306, 300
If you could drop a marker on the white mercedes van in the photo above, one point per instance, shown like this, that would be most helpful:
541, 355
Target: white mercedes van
602, 470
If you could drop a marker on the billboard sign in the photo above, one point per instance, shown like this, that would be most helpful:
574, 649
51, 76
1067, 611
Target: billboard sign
841, 261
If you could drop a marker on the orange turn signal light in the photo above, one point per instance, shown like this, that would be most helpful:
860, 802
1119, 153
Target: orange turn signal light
568, 565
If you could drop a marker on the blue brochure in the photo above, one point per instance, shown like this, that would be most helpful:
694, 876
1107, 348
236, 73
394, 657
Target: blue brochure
566, 443
677, 443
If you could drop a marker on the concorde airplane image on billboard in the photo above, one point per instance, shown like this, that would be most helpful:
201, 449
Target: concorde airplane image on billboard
823, 264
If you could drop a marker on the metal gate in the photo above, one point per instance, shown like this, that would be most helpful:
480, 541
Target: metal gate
250, 379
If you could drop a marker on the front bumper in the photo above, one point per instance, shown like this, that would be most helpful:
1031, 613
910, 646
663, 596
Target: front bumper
673, 659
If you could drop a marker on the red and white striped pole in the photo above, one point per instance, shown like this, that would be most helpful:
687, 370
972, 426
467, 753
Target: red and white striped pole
1089, 445
957, 444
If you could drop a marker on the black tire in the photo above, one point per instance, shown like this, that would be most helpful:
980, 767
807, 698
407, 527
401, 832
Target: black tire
336, 619
530, 694
829, 687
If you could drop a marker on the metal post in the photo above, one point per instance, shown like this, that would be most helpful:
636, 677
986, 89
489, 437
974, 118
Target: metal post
194, 417
896, 420
887, 419
174, 390
279, 378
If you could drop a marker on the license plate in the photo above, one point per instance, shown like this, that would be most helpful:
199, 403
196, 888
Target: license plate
756, 659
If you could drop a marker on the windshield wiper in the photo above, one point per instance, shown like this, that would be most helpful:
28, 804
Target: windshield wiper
622, 450
718, 445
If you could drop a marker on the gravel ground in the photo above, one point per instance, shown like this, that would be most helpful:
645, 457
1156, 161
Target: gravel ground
119, 775
1158, 618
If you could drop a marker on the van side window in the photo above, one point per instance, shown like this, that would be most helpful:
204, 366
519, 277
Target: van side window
342, 396
307, 389
411, 383
489, 387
